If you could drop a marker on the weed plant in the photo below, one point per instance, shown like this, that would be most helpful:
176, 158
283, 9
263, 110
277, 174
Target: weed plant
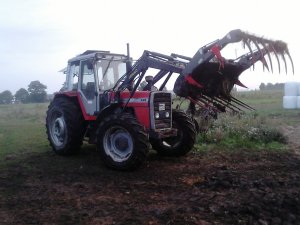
242, 131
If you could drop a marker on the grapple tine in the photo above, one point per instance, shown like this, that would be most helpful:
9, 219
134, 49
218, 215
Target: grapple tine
290, 57
263, 60
275, 53
268, 53
245, 42
241, 103
284, 60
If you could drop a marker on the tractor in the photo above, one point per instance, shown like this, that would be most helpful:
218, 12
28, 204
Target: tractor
95, 104
124, 108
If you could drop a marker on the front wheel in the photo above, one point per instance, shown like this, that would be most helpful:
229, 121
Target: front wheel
122, 143
182, 143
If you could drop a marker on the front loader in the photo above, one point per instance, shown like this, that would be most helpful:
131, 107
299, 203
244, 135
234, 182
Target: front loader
208, 78
120, 107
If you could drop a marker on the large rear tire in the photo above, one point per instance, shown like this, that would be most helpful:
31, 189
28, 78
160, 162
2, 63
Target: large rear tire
65, 126
182, 143
122, 142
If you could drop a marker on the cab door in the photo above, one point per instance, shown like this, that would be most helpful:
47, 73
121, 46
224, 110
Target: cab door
88, 87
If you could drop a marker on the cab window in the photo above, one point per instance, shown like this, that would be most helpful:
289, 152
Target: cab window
88, 86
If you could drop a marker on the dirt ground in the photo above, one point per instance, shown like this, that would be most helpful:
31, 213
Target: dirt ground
294, 138
202, 188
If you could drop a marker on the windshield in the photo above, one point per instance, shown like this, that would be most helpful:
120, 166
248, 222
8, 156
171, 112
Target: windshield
109, 71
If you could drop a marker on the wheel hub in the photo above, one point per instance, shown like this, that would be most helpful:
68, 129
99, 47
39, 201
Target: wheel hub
118, 143
58, 131
121, 142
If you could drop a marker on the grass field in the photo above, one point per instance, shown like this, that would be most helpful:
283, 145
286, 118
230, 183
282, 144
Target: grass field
22, 127
269, 103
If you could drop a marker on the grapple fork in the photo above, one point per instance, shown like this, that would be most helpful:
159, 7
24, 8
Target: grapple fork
208, 78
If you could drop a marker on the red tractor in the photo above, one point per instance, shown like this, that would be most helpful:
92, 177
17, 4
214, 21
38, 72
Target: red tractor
99, 103
104, 102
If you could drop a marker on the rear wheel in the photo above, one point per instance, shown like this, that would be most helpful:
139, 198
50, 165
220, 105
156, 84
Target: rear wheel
65, 126
182, 143
122, 142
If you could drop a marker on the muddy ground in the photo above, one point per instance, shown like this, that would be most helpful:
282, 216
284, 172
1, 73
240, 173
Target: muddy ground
241, 187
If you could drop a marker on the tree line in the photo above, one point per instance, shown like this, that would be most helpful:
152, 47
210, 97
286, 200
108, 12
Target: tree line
35, 93
269, 86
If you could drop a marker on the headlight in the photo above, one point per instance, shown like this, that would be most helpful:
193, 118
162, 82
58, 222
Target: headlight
167, 115
156, 115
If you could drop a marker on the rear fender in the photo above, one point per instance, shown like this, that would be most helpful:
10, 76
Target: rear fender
72, 96
75, 97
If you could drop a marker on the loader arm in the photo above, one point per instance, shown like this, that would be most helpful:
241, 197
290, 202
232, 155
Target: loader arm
209, 51
164, 64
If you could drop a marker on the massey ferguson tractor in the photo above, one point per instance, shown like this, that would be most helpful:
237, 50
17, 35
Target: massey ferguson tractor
104, 102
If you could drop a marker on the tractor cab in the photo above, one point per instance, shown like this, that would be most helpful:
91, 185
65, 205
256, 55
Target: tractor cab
91, 74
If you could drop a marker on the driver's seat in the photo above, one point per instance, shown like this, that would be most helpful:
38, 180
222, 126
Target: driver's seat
90, 90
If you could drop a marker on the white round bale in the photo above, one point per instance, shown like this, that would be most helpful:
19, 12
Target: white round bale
289, 102
298, 102
291, 88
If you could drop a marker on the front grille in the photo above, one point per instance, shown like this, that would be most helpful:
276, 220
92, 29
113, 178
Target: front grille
162, 105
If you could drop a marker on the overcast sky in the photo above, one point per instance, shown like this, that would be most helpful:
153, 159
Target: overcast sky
37, 37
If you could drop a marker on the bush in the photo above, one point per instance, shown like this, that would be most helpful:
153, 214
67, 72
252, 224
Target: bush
266, 135
242, 131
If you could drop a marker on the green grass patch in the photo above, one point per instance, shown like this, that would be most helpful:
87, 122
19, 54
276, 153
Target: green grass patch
252, 130
257, 130
270, 104
22, 129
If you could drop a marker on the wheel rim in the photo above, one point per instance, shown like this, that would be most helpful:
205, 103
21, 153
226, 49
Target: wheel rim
118, 143
58, 131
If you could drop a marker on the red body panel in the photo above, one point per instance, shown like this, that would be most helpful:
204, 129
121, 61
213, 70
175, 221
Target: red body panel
143, 116
77, 95
85, 115
140, 103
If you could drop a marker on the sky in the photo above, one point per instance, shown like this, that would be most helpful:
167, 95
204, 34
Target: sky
37, 37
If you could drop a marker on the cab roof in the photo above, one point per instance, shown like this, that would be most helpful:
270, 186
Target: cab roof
97, 54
